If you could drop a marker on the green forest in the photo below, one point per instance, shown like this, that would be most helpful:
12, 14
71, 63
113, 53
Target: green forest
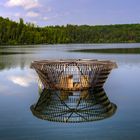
13, 33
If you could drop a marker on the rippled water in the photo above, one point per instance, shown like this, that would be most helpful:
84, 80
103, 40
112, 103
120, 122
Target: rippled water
19, 90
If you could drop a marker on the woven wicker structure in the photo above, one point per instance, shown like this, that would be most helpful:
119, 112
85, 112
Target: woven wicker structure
71, 74
73, 106
73, 90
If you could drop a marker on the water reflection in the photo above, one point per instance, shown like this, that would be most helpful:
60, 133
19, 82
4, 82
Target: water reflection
22, 80
27, 54
73, 106
122, 87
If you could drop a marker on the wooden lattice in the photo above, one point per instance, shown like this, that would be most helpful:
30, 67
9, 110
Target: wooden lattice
73, 90
71, 74
73, 106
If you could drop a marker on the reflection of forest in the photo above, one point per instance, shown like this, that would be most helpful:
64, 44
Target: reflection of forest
12, 61
26, 55
73, 106
12, 57
112, 50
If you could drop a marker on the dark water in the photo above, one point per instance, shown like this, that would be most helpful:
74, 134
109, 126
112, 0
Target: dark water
19, 90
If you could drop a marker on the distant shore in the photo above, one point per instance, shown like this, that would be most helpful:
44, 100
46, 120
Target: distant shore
110, 50
13, 33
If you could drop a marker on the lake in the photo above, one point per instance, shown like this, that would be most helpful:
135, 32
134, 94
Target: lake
19, 90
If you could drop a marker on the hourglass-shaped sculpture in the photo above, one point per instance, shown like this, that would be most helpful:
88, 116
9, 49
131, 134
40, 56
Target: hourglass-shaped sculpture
73, 90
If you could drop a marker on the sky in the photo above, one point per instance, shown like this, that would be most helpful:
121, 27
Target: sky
62, 12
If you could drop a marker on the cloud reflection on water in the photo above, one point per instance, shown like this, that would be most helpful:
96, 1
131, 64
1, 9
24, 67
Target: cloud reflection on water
17, 82
24, 81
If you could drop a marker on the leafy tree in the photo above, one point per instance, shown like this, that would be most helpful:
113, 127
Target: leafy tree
21, 33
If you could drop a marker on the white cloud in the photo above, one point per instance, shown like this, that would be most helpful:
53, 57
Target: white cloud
22, 80
56, 16
32, 14
45, 18
26, 4
17, 15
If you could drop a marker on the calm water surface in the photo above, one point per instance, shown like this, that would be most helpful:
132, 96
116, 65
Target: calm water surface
19, 90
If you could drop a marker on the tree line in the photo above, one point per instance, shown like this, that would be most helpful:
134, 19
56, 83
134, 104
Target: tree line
13, 33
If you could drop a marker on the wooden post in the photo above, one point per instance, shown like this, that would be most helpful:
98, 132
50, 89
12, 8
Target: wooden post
66, 82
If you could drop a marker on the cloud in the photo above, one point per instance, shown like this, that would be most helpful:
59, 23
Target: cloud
22, 80
45, 18
56, 16
32, 14
26, 4
17, 15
